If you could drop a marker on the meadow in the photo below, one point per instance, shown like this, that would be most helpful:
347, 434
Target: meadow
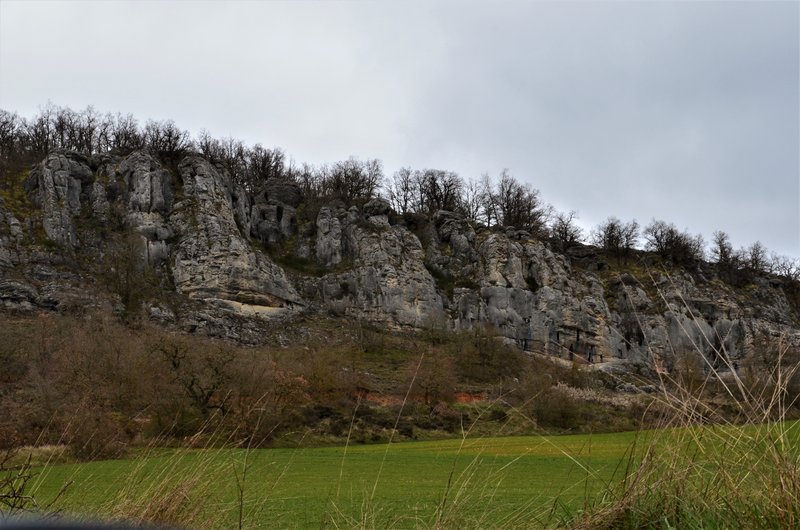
494, 481
504, 482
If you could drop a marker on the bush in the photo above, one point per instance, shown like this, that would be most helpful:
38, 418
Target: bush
97, 435
481, 357
553, 407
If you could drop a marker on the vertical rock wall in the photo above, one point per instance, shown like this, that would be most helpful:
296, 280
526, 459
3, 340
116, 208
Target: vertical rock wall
372, 265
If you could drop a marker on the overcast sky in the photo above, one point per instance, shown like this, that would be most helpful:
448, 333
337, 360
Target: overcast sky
683, 111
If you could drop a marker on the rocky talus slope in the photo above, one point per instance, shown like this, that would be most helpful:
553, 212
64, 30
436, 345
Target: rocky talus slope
229, 262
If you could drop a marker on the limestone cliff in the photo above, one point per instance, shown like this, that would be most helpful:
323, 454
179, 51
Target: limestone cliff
238, 259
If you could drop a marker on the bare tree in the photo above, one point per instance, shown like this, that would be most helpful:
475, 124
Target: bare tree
401, 190
672, 244
85, 129
616, 237
489, 214
11, 129
310, 181
202, 375
353, 180
166, 139
520, 206
440, 190
721, 250
129, 274
432, 378
564, 231
39, 132
785, 266
756, 257
474, 201
124, 134
265, 164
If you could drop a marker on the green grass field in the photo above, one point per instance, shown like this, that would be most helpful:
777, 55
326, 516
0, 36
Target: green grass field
529, 481
490, 480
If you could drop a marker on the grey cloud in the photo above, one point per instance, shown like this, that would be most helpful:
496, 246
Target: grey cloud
677, 110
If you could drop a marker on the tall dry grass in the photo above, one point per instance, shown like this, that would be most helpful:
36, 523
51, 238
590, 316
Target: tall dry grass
703, 469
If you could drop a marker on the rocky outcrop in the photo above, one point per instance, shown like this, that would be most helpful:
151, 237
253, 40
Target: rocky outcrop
211, 259
17, 295
191, 222
211, 243
388, 282
273, 217
56, 186
328, 245
531, 295
451, 249
148, 186
11, 237
146, 191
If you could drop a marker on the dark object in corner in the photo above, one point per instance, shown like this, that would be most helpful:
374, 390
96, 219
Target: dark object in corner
32, 524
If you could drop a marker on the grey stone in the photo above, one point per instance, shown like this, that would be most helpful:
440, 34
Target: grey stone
149, 185
388, 282
329, 238
11, 237
17, 295
55, 186
377, 206
201, 225
212, 260
279, 191
273, 214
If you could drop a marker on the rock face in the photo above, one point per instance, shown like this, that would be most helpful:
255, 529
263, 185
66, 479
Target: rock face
388, 282
211, 259
329, 235
11, 237
212, 242
530, 294
57, 185
148, 186
146, 190
273, 217
451, 245
18, 296
190, 222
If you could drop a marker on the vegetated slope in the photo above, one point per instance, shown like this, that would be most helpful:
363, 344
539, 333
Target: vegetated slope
96, 387
195, 251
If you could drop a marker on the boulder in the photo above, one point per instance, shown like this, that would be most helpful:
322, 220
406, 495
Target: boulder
377, 212
279, 191
377, 206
